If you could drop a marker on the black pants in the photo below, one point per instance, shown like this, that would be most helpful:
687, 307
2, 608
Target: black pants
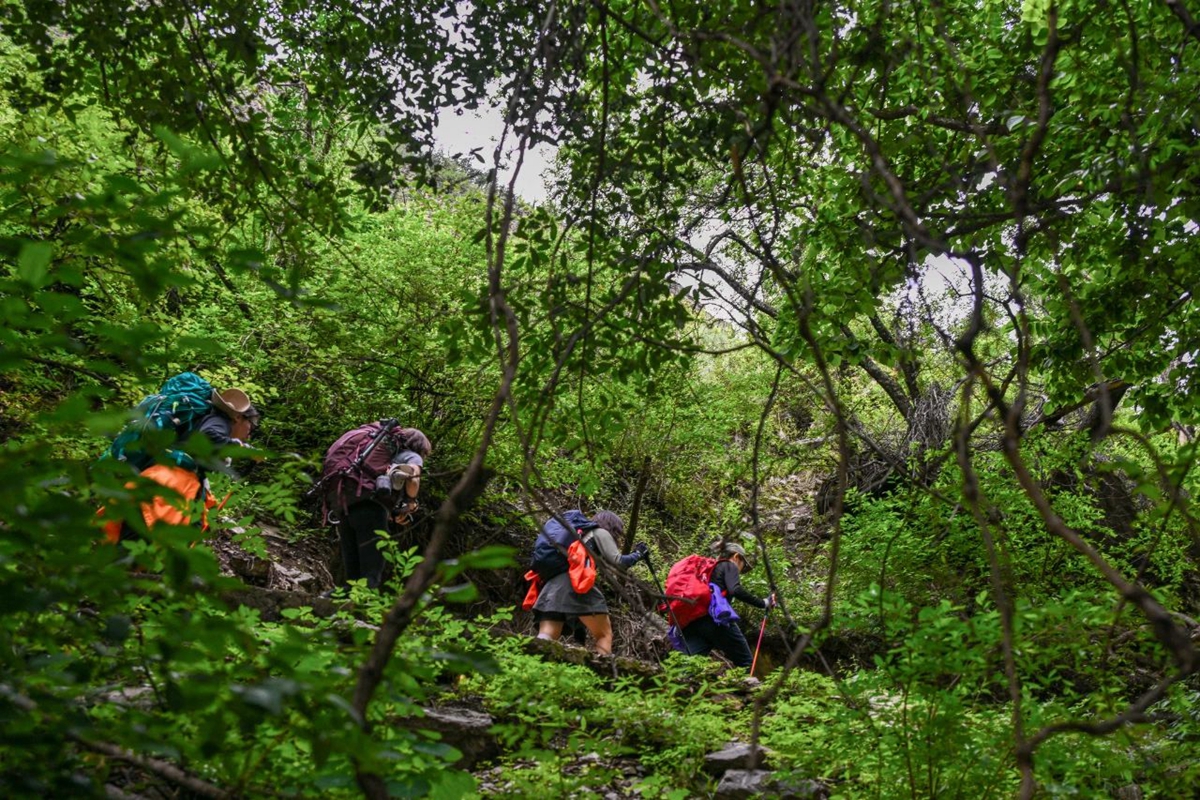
704, 636
359, 533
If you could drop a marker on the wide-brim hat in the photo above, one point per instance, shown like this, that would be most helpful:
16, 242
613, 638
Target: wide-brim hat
234, 402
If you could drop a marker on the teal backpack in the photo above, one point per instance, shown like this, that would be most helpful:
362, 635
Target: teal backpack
178, 406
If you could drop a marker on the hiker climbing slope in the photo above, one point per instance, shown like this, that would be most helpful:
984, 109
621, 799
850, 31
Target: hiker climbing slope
371, 479
565, 586
704, 633
185, 406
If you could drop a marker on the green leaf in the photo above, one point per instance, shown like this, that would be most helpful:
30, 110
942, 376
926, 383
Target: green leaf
33, 264
462, 593
495, 556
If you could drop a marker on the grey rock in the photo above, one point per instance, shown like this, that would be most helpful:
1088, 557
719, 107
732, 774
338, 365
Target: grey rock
141, 697
737, 784
745, 783
735, 755
459, 719
248, 567
294, 577
1130, 792
799, 790
465, 729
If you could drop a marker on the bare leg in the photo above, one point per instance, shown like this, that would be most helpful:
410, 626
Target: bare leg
600, 626
550, 629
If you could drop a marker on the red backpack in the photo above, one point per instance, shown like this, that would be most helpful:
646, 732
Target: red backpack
687, 589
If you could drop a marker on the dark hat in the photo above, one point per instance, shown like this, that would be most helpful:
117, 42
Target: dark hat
734, 549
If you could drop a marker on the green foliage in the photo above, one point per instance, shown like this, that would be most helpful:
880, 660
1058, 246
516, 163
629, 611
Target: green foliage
547, 711
749, 251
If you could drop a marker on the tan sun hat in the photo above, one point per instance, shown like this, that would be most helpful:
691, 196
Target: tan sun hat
234, 402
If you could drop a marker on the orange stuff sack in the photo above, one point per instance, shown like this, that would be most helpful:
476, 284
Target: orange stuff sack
581, 568
535, 588
174, 507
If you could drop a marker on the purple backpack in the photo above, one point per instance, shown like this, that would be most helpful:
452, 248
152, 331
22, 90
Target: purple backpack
719, 608
675, 637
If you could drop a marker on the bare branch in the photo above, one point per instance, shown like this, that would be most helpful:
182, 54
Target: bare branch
162, 769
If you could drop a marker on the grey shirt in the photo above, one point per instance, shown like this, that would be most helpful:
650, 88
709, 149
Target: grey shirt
602, 543
383, 482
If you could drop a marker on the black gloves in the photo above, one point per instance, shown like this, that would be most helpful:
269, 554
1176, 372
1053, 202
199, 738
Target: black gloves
641, 552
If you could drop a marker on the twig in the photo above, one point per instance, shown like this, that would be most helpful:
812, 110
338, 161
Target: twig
643, 479
162, 769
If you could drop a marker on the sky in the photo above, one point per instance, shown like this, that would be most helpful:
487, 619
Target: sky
458, 134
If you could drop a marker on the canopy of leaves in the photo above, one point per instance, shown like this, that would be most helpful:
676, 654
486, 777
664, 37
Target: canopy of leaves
936, 263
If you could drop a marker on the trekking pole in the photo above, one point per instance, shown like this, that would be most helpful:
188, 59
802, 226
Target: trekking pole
670, 611
758, 646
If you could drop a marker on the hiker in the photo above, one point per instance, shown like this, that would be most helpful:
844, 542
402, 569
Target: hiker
224, 417
558, 601
705, 634
233, 420
371, 478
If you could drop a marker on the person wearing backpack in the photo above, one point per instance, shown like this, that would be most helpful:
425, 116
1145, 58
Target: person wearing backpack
233, 420
188, 404
371, 478
705, 634
566, 589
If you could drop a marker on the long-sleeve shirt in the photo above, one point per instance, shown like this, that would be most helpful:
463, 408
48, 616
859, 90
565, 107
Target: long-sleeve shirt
602, 543
218, 428
727, 578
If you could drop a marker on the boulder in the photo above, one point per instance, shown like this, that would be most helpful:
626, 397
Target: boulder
139, 697
290, 577
464, 729
248, 567
735, 755
737, 784
744, 783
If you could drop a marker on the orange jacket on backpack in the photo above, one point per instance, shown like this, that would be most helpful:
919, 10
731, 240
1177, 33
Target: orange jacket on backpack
171, 507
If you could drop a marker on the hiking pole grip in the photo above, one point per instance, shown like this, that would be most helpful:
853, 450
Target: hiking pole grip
387, 425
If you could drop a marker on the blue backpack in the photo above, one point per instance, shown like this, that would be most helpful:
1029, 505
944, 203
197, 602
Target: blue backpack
549, 550
179, 406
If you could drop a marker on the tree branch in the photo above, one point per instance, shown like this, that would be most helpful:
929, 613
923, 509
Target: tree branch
1190, 26
643, 479
1094, 393
885, 381
162, 769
